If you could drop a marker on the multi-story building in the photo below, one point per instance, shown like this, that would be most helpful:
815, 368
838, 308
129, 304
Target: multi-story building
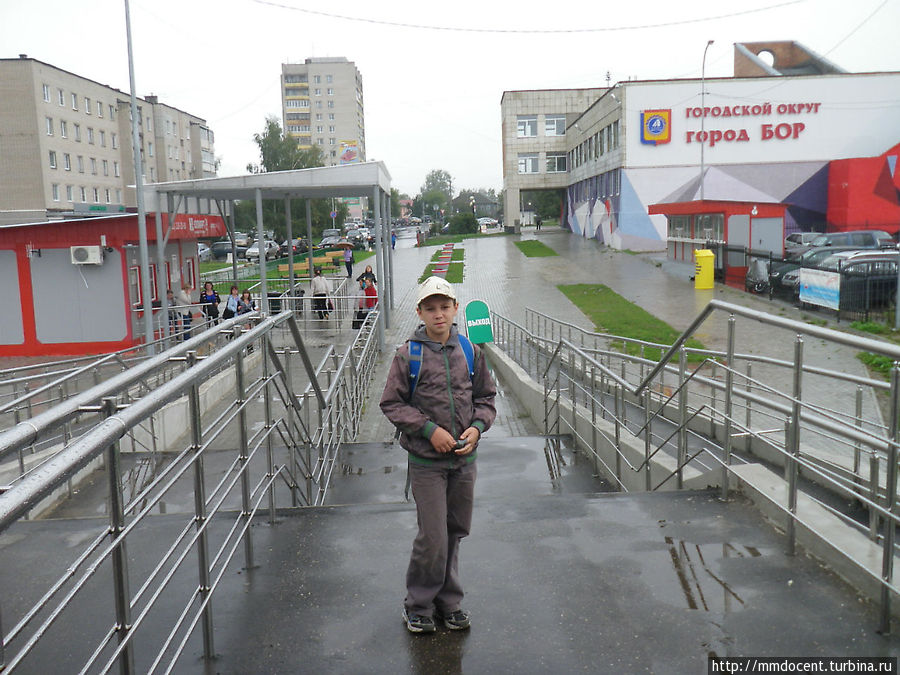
322, 105
790, 143
66, 144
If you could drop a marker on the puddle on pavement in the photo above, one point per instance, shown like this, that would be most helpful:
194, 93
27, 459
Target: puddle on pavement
701, 586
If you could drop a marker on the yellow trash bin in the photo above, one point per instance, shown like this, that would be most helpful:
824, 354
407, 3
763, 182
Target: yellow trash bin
706, 263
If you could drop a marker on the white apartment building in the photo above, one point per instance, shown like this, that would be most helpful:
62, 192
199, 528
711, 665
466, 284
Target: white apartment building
322, 105
66, 148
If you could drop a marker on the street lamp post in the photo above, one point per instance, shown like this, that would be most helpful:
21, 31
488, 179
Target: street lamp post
703, 116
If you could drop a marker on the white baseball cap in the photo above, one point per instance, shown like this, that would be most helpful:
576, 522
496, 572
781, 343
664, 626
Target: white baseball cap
434, 286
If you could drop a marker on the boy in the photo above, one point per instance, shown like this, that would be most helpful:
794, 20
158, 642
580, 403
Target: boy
449, 400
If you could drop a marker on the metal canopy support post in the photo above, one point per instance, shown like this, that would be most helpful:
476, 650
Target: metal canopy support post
388, 292
290, 241
231, 230
309, 244
264, 300
379, 263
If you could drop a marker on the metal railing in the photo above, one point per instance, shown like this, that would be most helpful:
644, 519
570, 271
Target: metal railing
615, 396
273, 443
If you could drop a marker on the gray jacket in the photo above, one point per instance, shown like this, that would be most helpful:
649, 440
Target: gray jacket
445, 396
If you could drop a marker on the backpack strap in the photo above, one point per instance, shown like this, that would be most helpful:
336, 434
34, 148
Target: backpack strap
415, 360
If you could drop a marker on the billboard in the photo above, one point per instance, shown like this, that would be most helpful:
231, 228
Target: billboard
349, 152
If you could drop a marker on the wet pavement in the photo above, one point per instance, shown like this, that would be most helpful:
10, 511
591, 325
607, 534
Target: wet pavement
561, 575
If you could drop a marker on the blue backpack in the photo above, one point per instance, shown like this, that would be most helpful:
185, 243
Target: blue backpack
415, 360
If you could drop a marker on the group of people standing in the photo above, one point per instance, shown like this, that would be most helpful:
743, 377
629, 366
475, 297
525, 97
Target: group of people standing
182, 307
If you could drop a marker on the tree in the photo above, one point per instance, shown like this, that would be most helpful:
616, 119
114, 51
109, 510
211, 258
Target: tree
439, 180
546, 203
278, 152
463, 222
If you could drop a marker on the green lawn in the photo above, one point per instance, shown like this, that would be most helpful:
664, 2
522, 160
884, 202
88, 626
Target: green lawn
441, 239
535, 249
454, 273
613, 314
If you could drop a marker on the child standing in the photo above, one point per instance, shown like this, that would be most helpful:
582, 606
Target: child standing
449, 400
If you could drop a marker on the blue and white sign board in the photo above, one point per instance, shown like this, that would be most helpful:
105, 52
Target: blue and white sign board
818, 287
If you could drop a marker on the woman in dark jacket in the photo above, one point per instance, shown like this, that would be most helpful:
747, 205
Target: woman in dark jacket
210, 300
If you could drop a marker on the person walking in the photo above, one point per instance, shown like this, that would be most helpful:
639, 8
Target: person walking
184, 299
440, 395
320, 288
348, 261
231, 303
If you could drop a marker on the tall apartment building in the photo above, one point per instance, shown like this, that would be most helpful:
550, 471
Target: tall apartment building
66, 148
322, 105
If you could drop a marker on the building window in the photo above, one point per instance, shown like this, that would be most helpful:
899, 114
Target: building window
331, 116
54, 189
74, 101
87, 106
679, 226
90, 135
296, 104
115, 140
61, 97
49, 126
77, 132
331, 141
556, 162
80, 161
96, 195
105, 167
118, 196
107, 196
67, 161
330, 91
317, 79
710, 226
329, 79
528, 163
554, 125
318, 92
102, 138
94, 166
318, 104
320, 141
47, 93
116, 169
319, 129
83, 194
63, 129
330, 104
149, 147
53, 159
99, 109
69, 193
615, 134
526, 126
318, 117
111, 111
331, 129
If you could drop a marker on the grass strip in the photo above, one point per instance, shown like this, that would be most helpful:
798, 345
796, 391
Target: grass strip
454, 272
613, 314
457, 254
535, 249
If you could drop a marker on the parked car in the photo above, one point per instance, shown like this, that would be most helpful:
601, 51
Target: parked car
203, 252
868, 278
241, 239
486, 222
798, 240
221, 249
270, 249
854, 238
300, 246
328, 242
784, 276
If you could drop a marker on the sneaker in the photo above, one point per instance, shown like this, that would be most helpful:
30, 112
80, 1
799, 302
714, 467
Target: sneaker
416, 623
458, 620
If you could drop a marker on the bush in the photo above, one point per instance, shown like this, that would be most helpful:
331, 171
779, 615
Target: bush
463, 223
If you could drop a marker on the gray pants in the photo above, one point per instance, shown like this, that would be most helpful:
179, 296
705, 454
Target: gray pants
444, 495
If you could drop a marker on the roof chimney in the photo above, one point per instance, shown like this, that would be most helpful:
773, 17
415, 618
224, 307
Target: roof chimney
23, 56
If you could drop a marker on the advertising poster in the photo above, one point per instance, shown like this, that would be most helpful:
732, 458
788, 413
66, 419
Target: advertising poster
349, 152
818, 287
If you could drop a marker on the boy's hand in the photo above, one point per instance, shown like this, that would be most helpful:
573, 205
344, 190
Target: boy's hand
471, 435
442, 441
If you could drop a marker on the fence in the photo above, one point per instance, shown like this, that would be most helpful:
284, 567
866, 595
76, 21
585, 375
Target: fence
647, 422
231, 468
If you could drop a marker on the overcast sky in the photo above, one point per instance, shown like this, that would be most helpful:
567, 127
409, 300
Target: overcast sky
433, 85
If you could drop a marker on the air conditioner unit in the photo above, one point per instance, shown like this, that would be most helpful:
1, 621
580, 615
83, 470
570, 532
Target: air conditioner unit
86, 255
